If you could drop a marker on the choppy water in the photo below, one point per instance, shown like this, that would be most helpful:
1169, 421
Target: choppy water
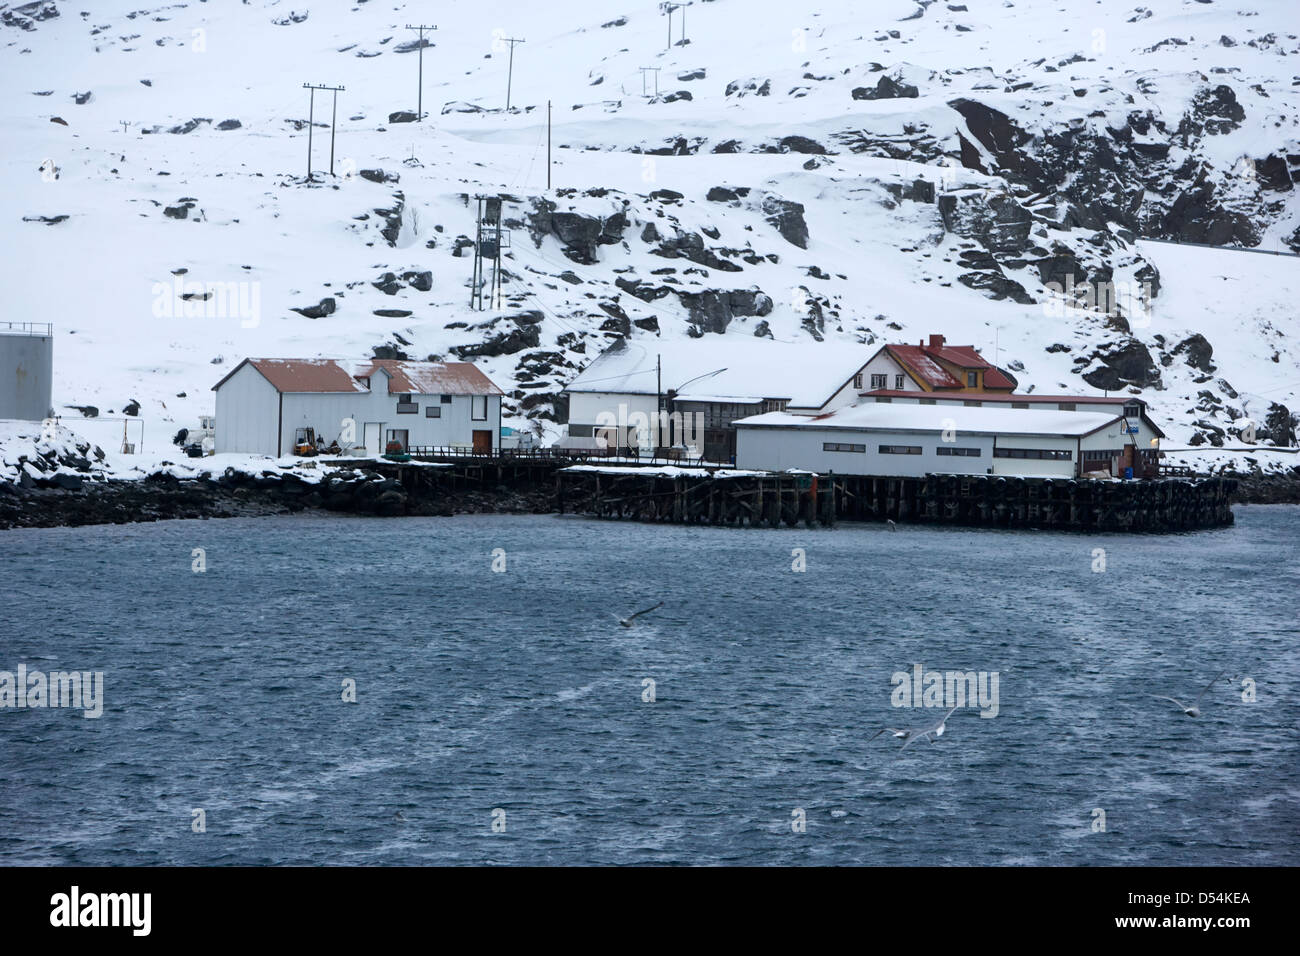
518, 691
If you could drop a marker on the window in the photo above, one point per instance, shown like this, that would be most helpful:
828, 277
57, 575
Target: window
878, 381
884, 398
405, 406
900, 449
970, 404
445, 399
1101, 454
843, 446
1133, 411
958, 452
972, 379
1019, 404
898, 382
1038, 454
433, 411
927, 401
857, 380
1066, 406
478, 407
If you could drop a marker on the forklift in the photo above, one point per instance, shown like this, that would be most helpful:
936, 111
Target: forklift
304, 443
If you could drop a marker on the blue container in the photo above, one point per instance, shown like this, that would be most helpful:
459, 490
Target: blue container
1128, 472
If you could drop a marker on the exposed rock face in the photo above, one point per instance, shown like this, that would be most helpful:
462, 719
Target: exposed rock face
713, 309
886, 89
402, 116
420, 281
1199, 353
325, 307
787, 217
998, 222
690, 245
579, 233
1126, 364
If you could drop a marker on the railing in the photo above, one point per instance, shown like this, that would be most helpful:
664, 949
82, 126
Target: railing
1175, 471
45, 329
553, 454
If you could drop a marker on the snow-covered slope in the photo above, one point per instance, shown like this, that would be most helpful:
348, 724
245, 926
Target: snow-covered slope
831, 171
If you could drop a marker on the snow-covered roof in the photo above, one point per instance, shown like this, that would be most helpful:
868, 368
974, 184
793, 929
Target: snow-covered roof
725, 368
429, 378
301, 375
927, 418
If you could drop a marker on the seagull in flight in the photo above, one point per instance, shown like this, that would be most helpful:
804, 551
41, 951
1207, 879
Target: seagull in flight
627, 621
912, 735
1195, 709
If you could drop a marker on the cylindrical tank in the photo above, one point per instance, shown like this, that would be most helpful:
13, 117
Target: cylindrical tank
26, 370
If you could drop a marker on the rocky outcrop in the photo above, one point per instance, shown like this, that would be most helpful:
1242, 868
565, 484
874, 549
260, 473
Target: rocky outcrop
713, 309
1126, 363
787, 217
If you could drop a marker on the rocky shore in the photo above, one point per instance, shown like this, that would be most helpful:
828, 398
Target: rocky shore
63, 502
68, 500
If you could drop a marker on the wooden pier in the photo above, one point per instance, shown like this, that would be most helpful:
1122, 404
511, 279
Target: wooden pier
775, 499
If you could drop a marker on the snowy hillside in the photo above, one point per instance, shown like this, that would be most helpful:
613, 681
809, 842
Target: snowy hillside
829, 171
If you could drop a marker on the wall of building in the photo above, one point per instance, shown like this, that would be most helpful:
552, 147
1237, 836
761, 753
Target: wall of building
247, 414
249, 408
778, 449
1036, 466
26, 376
884, 364
585, 408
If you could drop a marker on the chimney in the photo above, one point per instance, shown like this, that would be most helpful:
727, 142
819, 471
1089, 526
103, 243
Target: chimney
936, 341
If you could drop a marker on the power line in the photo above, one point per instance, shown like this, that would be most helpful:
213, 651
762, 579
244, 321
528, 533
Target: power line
311, 114
511, 69
419, 97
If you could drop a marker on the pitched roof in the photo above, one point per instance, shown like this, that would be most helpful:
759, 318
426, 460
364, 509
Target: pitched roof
301, 375
936, 418
925, 361
725, 368
1004, 399
331, 375
430, 378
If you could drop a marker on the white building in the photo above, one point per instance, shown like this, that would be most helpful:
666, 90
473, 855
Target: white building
262, 403
914, 439
1139, 448
712, 381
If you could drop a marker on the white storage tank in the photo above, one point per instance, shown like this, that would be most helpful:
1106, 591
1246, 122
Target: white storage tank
26, 370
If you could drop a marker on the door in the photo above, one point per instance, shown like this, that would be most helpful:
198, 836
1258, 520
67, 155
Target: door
482, 442
370, 434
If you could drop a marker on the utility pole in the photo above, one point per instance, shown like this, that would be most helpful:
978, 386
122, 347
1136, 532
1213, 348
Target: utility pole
311, 121
668, 9
511, 70
419, 96
548, 145
644, 70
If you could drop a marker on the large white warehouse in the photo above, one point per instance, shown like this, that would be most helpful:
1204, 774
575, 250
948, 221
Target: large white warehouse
912, 440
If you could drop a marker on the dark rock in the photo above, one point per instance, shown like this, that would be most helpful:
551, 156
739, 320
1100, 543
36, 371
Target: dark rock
378, 176
131, 408
325, 307
388, 284
788, 219
229, 124
402, 116
388, 313
1198, 351
726, 194
886, 89
998, 221
1128, 364
420, 281
801, 144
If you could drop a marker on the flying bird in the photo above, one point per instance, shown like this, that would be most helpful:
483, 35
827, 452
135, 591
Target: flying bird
1195, 709
627, 621
912, 735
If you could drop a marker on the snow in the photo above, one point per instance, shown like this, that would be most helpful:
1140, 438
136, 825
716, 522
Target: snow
107, 275
964, 420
